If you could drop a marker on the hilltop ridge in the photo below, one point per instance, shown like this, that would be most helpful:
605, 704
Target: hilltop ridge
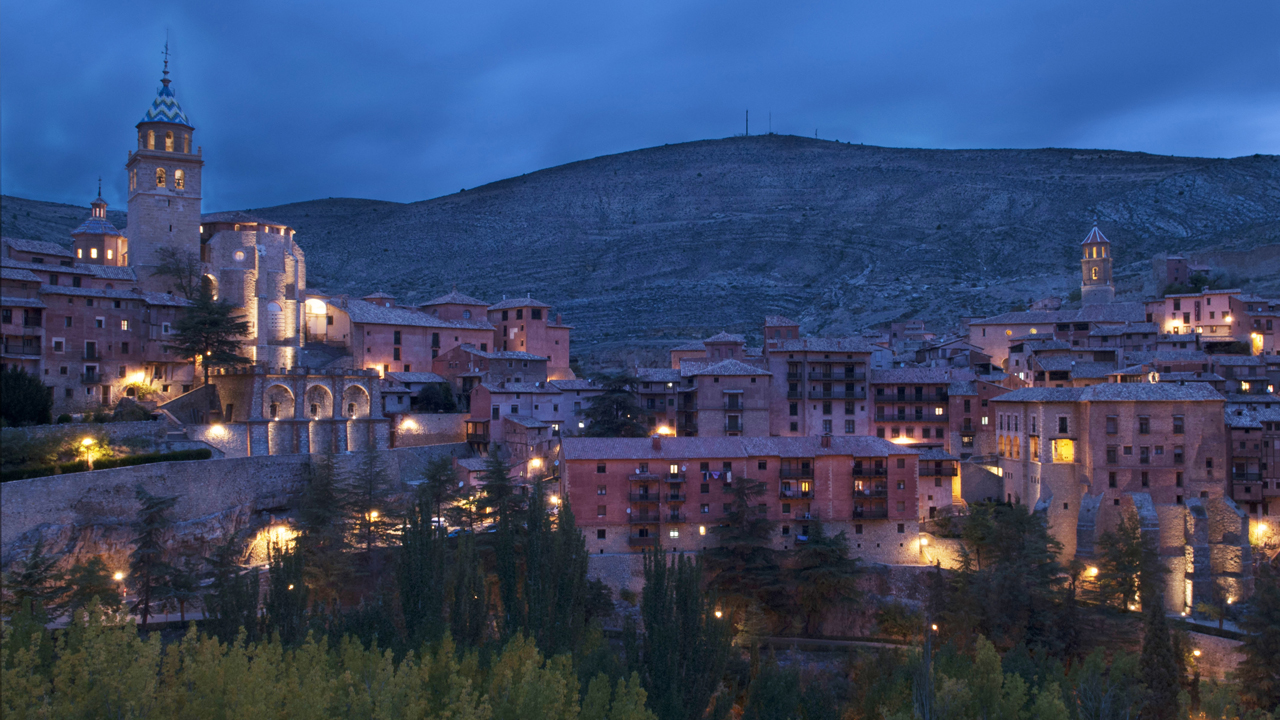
683, 240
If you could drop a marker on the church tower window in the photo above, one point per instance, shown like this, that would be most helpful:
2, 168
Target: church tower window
186, 143
168, 141
151, 139
179, 179
160, 177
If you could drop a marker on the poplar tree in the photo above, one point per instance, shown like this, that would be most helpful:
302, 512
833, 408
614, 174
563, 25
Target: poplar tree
1259, 672
231, 605
1160, 673
685, 648
469, 613
149, 573
285, 607
420, 574
502, 502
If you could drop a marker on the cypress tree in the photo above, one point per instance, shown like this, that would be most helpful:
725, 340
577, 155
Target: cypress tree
1259, 672
24, 399
420, 574
149, 573
539, 573
285, 608
470, 610
364, 498
501, 501
322, 531
571, 590
685, 649
232, 601
1160, 673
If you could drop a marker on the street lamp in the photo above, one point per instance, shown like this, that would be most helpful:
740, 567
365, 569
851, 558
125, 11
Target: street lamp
118, 577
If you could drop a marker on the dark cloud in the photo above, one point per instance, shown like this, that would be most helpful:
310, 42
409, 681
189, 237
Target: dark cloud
405, 101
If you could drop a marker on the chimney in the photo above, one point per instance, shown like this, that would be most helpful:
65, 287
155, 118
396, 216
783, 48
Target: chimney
657, 443
826, 441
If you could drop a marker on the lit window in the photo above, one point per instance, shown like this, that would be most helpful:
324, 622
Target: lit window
151, 140
239, 255
168, 141
179, 179
159, 177
124, 324
110, 254
80, 253
702, 529
673, 533
93, 252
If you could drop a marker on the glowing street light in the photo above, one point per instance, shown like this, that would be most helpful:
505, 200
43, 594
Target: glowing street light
719, 614
934, 627
373, 514
1196, 653
86, 442
1093, 572
118, 577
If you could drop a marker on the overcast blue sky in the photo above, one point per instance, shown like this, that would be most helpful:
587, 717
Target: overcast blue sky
407, 101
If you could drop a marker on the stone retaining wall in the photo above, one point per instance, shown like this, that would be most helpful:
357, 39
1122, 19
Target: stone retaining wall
416, 429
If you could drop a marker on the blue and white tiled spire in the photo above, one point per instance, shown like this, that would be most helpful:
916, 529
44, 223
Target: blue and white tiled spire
165, 107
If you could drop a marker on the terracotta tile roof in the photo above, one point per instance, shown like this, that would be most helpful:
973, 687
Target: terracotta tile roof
112, 272
690, 346
21, 302
1237, 360
473, 464
513, 388
1191, 377
724, 337
1077, 368
1125, 329
46, 267
95, 226
1101, 313
416, 377
527, 421
927, 375
523, 302
39, 247
373, 314
18, 275
575, 384
1243, 419
779, 321
453, 297
932, 454
659, 375
826, 345
1193, 356
380, 296
237, 216
89, 292
963, 388
1116, 392
691, 448
730, 367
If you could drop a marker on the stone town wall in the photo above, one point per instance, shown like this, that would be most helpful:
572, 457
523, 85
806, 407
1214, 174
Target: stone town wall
415, 429
1218, 656
82, 514
146, 433
232, 440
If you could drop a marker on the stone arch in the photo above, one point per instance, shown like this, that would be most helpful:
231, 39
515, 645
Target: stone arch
160, 177
275, 321
278, 402
318, 402
355, 402
168, 141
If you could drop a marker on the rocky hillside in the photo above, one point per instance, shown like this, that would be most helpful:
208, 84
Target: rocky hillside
681, 240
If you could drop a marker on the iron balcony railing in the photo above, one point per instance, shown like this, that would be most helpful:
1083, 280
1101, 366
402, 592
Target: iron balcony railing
871, 513
19, 349
796, 472
1246, 476
795, 395
91, 378
478, 437
932, 471
644, 497
871, 490
645, 476
674, 518
792, 494
877, 471
642, 518
837, 375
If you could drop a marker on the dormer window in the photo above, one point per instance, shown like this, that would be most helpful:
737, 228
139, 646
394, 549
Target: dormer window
160, 177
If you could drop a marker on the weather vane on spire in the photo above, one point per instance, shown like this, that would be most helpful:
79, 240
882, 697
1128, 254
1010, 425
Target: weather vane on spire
165, 53
99, 186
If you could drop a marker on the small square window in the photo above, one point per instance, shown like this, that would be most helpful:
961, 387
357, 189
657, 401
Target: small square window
600, 467
762, 465
600, 534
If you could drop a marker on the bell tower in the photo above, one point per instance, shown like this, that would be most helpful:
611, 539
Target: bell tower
1095, 266
164, 186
